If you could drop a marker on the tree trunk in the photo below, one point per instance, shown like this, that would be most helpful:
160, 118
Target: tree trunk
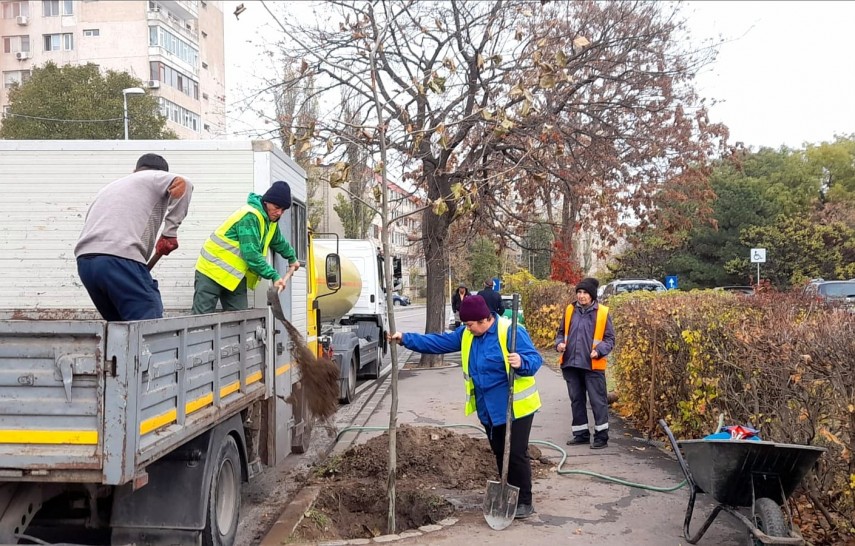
435, 235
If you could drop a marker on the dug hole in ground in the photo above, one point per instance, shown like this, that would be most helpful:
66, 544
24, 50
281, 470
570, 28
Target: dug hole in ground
444, 472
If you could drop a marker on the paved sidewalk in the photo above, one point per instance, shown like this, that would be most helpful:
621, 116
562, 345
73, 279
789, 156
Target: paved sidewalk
570, 509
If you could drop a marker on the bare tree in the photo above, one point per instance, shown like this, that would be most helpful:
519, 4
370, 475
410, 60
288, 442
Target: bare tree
494, 110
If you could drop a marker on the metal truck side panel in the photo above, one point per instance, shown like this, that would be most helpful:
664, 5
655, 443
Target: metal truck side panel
226, 360
51, 387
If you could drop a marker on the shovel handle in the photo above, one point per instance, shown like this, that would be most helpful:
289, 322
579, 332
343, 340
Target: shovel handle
512, 348
153, 261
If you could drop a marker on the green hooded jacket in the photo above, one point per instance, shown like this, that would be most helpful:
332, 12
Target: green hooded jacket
247, 232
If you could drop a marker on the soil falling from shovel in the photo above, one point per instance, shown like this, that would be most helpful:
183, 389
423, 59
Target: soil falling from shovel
320, 377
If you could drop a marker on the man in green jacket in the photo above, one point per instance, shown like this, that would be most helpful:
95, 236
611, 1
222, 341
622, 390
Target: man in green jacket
235, 256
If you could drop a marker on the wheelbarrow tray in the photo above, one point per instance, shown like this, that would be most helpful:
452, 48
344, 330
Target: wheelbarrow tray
727, 470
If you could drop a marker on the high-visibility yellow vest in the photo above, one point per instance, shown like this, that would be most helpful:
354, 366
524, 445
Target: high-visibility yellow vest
221, 259
599, 332
526, 397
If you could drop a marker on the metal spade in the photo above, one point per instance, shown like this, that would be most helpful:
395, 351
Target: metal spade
500, 501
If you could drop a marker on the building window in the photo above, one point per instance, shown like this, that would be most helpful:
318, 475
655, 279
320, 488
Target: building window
91, 32
159, 36
59, 42
14, 44
205, 65
174, 78
179, 114
205, 96
15, 77
10, 10
54, 8
204, 34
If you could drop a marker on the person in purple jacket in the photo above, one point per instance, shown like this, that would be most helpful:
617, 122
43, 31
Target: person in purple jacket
585, 337
483, 341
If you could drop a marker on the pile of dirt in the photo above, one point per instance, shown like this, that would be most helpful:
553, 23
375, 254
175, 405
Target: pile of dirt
439, 471
319, 377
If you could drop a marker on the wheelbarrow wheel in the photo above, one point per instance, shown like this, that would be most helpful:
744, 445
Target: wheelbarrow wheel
769, 518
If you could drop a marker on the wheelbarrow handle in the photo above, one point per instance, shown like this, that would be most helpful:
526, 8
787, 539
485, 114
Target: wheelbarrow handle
678, 453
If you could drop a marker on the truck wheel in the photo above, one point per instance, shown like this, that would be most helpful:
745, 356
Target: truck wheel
769, 519
350, 387
224, 498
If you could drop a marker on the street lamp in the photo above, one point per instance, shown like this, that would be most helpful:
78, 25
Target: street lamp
125, 93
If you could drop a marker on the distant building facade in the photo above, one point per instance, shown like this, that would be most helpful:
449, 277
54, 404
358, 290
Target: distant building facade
176, 47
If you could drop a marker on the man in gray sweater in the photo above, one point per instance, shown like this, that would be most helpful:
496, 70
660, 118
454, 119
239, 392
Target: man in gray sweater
120, 235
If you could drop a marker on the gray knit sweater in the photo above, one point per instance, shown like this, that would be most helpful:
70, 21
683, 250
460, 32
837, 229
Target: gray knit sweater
126, 215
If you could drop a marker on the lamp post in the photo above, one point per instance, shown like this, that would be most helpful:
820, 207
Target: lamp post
125, 93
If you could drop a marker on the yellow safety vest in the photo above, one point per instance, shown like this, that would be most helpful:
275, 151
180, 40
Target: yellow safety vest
526, 397
221, 259
599, 332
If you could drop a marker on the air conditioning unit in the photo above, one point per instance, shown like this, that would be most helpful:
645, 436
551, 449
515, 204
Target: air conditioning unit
22, 55
151, 84
22, 20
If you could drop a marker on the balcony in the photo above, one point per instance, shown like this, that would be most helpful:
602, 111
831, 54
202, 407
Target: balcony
183, 9
174, 24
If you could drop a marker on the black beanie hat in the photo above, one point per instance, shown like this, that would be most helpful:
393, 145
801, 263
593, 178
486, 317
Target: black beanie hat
153, 162
279, 194
589, 285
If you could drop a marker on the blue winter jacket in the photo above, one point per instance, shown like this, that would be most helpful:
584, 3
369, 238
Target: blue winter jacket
486, 365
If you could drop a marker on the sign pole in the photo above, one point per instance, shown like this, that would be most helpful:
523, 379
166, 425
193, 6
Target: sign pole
758, 274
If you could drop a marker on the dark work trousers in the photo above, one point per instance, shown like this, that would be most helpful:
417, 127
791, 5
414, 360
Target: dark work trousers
582, 382
121, 289
207, 292
519, 467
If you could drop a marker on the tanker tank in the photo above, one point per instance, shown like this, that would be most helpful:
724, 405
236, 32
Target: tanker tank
336, 305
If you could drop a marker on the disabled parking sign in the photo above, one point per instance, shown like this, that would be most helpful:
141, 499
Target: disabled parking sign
671, 282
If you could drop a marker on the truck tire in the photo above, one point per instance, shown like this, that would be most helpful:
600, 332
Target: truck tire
224, 499
350, 385
769, 518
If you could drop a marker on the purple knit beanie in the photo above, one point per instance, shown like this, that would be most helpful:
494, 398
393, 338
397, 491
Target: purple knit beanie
473, 308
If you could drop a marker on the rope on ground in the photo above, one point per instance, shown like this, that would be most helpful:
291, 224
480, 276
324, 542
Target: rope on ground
550, 445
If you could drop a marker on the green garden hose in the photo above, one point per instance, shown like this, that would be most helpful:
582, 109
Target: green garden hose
545, 444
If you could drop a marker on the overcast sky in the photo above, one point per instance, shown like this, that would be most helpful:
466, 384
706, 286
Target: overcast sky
786, 75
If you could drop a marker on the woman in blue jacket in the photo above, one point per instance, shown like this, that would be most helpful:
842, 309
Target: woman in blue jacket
486, 360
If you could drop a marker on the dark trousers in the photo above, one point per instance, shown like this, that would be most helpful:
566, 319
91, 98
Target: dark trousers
590, 384
121, 289
519, 466
207, 292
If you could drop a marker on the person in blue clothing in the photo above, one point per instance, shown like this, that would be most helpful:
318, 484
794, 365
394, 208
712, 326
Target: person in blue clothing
483, 341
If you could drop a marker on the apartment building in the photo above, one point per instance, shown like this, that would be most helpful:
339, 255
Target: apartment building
176, 47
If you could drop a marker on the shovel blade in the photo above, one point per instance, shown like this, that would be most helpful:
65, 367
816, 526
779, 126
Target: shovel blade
275, 304
500, 504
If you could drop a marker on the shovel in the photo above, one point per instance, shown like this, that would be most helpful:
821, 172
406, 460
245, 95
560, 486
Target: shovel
500, 501
273, 298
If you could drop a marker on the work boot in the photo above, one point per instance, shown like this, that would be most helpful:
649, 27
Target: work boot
599, 443
524, 511
579, 441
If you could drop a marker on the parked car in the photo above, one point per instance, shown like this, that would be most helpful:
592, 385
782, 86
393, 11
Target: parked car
835, 291
507, 304
398, 299
621, 286
745, 290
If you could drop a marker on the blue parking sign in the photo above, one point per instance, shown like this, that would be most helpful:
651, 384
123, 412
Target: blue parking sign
671, 282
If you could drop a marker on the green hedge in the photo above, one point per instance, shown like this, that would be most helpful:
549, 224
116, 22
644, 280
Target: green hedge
778, 362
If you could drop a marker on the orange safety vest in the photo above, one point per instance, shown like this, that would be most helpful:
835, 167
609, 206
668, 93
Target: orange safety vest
599, 332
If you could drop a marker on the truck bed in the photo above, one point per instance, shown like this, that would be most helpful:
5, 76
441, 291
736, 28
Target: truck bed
77, 394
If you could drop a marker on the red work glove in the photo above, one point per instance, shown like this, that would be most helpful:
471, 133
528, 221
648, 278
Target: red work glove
165, 245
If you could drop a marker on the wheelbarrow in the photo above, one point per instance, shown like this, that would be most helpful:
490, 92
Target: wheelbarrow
740, 474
